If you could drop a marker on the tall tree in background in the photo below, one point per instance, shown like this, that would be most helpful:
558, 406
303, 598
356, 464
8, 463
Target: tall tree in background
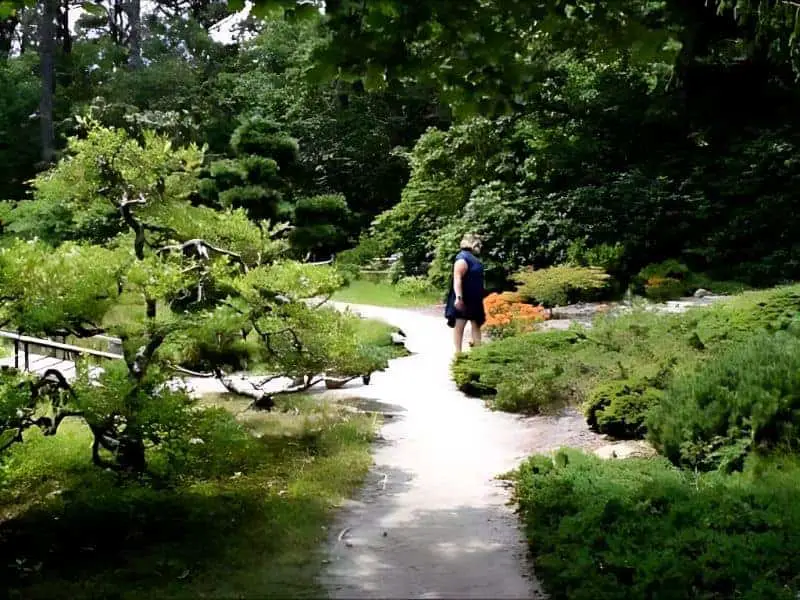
134, 12
47, 51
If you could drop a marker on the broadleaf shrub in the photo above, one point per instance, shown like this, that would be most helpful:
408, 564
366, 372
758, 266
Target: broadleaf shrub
662, 289
414, 285
667, 280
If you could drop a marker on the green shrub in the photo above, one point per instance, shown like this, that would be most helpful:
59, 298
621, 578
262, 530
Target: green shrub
414, 286
620, 368
263, 137
349, 272
671, 268
668, 280
639, 528
558, 286
606, 256
321, 224
619, 407
747, 399
738, 317
367, 250
715, 286
533, 392
484, 369
724, 288
661, 289
215, 445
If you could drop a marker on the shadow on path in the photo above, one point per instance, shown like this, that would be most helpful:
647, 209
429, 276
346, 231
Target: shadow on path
432, 521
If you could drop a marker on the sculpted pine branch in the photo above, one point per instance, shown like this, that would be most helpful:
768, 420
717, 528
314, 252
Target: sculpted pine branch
201, 249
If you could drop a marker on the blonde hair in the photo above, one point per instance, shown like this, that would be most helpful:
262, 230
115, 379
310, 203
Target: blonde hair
470, 241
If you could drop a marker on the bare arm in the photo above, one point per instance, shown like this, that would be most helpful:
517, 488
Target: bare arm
459, 270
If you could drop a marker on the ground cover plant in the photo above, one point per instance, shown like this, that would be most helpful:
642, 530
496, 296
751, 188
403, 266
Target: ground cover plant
641, 528
617, 370
712, 516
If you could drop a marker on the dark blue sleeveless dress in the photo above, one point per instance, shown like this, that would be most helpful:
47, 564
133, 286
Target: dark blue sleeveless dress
473, 291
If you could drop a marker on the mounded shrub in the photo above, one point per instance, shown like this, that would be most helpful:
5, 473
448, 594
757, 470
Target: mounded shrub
507, 316
619, 408
620, 368
321, 224
367, 249
667, 280
562, 285
775, 309
533, 392
640, 528
745, 400
661, 289
481, 372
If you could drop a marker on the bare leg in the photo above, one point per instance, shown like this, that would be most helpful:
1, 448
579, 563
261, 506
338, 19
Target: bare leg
475, 330
458, 333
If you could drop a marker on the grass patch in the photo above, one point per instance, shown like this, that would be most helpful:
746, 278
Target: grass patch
252, 527
640, 528
379, 293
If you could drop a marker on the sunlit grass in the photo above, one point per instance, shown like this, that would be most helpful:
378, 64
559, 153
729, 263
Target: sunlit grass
71, 530
383, 294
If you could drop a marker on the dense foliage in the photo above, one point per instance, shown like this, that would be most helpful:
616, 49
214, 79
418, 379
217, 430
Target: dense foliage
715, 391
619, 368
640, 528
744, 401
218, 293
174, 190
608, 151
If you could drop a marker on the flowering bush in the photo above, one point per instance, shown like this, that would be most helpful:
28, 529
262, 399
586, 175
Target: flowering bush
507, 315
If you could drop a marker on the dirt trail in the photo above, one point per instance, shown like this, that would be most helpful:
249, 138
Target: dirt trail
432, 521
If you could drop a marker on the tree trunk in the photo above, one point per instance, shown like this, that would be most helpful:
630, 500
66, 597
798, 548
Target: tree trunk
134, 10
47, 49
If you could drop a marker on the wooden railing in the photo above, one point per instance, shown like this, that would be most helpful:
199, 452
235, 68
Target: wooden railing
24, 344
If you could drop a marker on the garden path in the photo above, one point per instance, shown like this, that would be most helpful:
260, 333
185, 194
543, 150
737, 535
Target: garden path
433, 521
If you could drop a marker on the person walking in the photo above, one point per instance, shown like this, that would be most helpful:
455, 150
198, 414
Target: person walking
465, 296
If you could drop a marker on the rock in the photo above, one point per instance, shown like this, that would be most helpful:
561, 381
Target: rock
335, 383
398, 339
626, 449
554, 324
701, 293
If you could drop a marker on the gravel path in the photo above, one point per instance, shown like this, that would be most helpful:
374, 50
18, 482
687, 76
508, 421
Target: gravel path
432, 521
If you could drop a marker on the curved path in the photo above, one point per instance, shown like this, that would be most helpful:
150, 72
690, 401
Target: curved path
432, 520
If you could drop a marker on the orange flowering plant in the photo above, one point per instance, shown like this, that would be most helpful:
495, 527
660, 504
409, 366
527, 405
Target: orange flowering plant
507, 315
